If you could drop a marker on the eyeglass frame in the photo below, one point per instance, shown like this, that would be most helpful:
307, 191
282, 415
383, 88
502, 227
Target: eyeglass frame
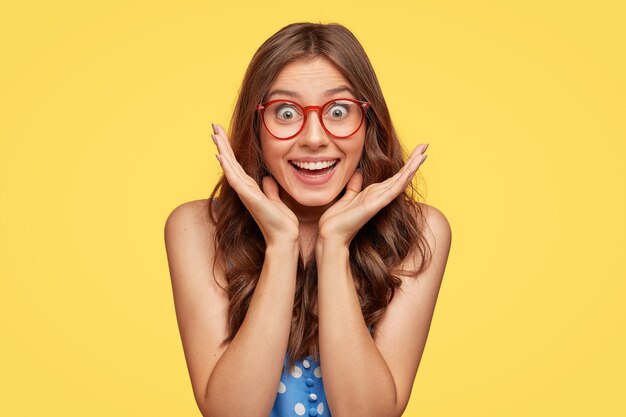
363, 106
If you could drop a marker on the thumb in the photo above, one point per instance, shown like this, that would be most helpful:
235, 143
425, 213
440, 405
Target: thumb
354, 185
270, 188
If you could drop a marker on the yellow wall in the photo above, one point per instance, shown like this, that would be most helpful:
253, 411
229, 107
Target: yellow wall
105, 113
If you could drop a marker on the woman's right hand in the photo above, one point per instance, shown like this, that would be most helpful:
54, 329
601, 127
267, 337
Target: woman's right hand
276, 221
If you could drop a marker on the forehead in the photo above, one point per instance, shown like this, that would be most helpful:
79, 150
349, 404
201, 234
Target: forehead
310, 79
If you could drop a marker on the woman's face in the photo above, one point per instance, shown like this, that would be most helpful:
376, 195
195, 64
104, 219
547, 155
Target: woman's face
311, 82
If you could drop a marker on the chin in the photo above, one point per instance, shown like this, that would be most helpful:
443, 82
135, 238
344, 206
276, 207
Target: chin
316, 202
312, 199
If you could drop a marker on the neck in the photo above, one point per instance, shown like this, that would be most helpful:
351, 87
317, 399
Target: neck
308, 219
308, 216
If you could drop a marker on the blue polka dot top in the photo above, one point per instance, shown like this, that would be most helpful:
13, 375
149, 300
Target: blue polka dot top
301, 390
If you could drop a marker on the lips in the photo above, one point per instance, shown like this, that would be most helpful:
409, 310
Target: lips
314, 172
314, 165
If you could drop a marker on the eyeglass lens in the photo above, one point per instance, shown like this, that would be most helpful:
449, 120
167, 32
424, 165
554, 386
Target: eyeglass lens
341, 118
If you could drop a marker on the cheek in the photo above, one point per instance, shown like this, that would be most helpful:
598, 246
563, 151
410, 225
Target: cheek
356, 150
266, 149
267, 159
273, 154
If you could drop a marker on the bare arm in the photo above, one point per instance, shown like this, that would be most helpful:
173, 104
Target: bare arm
242, 378
245, 380
364, 390
382, 382
372, 388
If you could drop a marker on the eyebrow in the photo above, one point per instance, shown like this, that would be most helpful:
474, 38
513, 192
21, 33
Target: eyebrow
329, 92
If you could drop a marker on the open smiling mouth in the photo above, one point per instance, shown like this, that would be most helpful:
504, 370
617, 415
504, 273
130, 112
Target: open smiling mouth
314, 170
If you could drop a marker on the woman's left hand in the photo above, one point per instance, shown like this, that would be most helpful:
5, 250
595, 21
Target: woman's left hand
341, 222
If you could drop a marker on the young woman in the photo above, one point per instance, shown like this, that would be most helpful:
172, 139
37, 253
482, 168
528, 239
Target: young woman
313, 255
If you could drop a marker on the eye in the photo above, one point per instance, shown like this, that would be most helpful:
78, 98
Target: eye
338, 110
286, 112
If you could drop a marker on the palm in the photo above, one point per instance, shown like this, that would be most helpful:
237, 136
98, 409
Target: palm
274, 218
345, 218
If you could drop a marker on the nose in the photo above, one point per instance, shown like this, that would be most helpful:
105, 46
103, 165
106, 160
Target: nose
313, 134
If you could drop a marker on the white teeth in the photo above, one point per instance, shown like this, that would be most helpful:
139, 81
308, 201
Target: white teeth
314, 165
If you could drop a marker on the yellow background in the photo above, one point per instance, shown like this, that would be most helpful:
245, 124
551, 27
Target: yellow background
105, 112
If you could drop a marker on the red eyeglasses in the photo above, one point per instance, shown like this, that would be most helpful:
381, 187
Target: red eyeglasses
340, 117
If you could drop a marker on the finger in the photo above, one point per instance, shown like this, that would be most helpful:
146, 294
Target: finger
354, 185
399, 186
233, 171
416, 157
242, 183
419, 160
409, 173
226, 152
409, 168
221, 139
221, 144
227, 167
395, 185
270, 188
414, 165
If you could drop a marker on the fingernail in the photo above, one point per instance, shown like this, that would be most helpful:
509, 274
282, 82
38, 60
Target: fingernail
426, 146
214, 128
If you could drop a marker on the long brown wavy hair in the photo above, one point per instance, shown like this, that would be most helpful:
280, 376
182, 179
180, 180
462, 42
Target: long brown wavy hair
381, 245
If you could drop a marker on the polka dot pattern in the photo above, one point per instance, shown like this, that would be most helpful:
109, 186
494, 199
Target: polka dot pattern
296, 372
301, 390
299, 409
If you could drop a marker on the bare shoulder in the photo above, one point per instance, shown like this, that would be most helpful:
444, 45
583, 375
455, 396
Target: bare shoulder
438, 230
188, 214
438, 234
200, 304
435, 229
189, 233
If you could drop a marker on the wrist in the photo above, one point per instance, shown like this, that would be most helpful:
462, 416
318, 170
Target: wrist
331, 245
332, 240
285, 247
